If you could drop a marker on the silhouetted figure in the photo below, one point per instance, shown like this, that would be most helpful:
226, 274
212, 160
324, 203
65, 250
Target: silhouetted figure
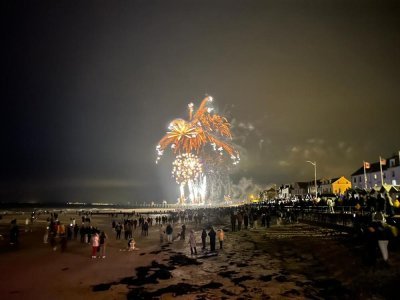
203, 238
14, 233
212, 236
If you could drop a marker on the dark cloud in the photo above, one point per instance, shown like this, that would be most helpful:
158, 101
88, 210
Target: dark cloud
89, 88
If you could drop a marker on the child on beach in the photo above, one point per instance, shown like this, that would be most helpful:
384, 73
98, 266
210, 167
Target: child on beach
131, 245
95, 244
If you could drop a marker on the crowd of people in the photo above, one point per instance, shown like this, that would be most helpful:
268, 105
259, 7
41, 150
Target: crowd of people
173, 226
59, 234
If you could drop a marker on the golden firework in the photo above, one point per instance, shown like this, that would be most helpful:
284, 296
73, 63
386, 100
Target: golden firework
203, 127
186, 167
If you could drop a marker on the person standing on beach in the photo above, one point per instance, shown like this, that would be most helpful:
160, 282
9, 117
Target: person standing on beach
82, 233
246, 220
46, 235
62, 235
162, 232
268, 218
183, 232
95, 244
169, 231
203, 238
53, 242
239, 218
192, 242
221, 236
212, 235
233, 222
102, 243
118, 229
14, 232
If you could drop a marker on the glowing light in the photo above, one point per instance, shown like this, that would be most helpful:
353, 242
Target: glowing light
200, 134
187, 171
186, 167
201, 129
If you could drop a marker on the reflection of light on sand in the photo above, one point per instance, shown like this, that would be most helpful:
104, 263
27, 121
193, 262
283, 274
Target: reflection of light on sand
129, 210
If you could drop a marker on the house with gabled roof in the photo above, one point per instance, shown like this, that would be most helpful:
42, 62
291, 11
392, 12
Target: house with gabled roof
372, 178
337, 186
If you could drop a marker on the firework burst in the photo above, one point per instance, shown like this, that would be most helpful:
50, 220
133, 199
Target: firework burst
205, 134
187, 171
186, 167
203, 128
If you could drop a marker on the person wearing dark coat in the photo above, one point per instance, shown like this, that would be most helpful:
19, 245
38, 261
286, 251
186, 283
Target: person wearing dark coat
246, 220
183, 232
233, 222
203, 238
169, 231
268, 219
14, 233
212, 234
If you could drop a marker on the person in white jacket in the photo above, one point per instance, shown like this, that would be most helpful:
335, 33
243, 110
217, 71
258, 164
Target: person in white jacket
192, 242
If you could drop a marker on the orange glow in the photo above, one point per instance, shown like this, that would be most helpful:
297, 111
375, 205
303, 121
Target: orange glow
202, 128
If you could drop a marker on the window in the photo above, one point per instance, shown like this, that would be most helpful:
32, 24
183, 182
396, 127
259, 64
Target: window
393, 174
392, 163
355, 179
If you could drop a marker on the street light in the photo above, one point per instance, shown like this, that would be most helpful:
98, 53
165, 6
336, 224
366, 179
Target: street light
315, 177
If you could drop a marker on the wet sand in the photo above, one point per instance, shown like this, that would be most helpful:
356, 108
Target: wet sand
296, 261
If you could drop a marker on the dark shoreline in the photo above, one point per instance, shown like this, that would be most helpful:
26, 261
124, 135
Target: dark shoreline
16, 205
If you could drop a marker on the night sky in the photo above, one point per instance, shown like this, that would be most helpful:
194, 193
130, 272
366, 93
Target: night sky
89, 87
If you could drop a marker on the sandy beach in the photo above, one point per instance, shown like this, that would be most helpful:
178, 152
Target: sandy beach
295, 261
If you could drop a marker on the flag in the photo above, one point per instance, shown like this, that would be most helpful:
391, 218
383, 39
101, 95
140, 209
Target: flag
367, 165
382, 161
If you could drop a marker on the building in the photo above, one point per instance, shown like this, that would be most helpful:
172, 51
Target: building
372, 178
285, 191
311, 187
337, 186
300, 189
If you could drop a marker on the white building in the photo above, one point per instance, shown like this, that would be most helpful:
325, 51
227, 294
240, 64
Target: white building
285, 191
372, 177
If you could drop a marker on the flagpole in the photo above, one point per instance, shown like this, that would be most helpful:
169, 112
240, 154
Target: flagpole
380, 164
365, 176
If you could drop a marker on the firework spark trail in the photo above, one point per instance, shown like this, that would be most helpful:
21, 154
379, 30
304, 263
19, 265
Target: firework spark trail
187, 171
186, 138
